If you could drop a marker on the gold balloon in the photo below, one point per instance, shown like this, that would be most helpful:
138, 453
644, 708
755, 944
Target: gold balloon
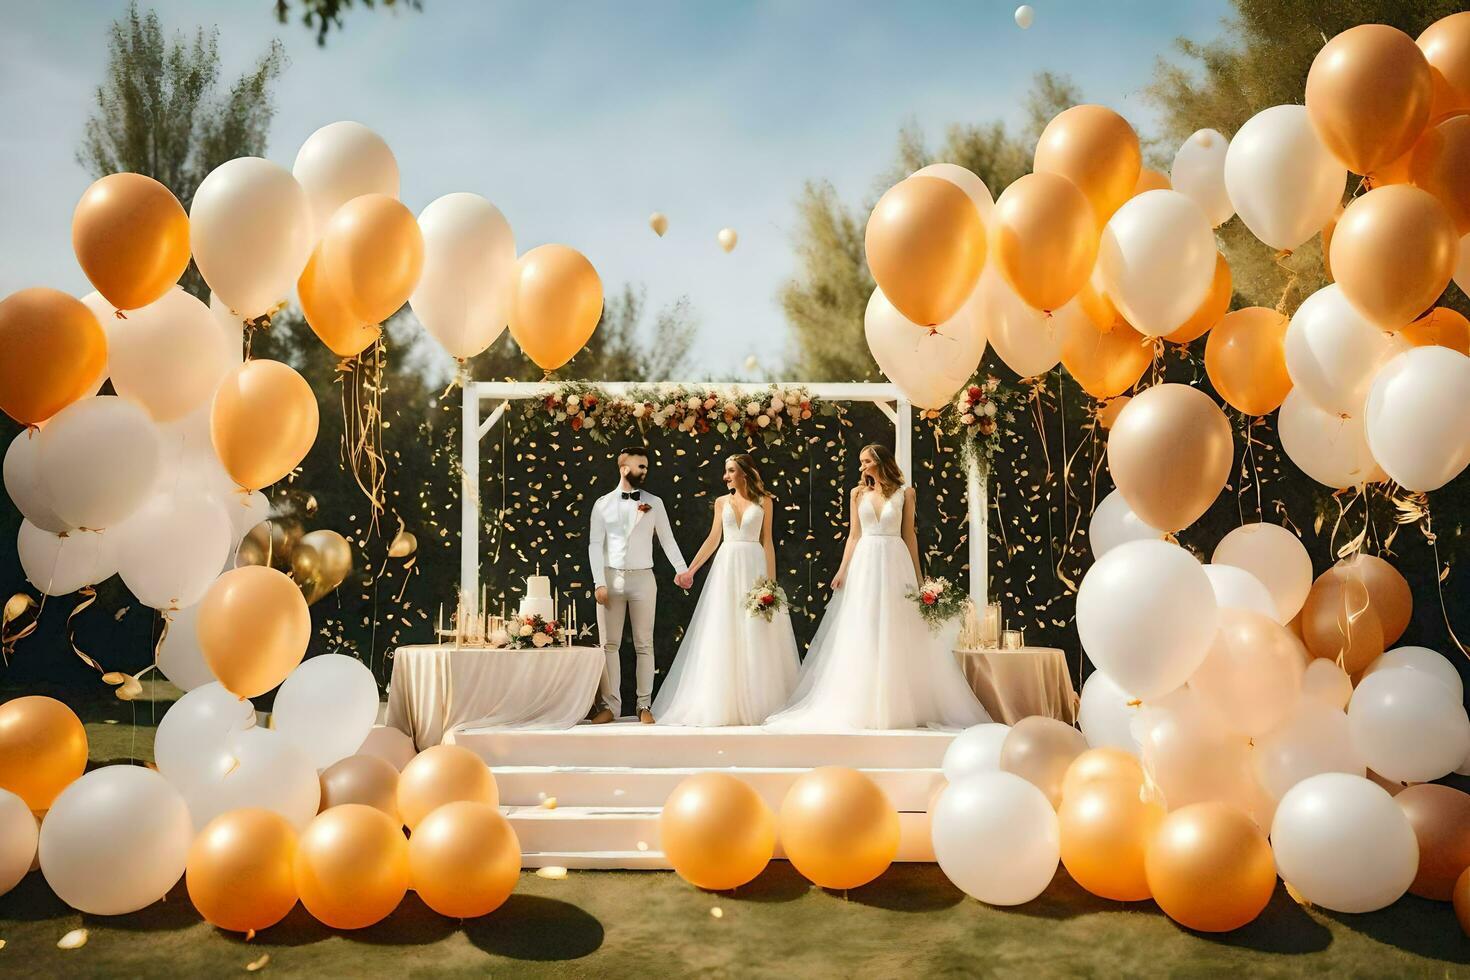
838, 828
253, 629
556, 304
403, 545
1170, 453
1210, 868
464, 859
1105, 364
443, 774
1095, 302
1151, 180
320, 562
263, 422
1045, 239
52, 351
1040, 750
1102, 765
1440, 327
241, 873
366, 779
1216, 304
1440, 816
925, 245
716, 831
1446, 46
131, 237
1439, 165
1105, 830
1387, 590
1096, 149
1245, 359
43, 749
1393, 253
329, 316
1340, 622
727, 239
352, 866
659, 222
371, 255
1368, 95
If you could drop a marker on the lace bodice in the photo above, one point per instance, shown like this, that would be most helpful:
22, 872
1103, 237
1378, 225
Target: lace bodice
743, 527
881, 520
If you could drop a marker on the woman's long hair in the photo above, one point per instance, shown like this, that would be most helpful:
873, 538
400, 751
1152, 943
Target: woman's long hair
755, 487
890, 477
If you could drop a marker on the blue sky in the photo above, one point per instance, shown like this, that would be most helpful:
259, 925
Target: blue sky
579, 119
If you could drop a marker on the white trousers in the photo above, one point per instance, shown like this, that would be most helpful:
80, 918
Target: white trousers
632, 594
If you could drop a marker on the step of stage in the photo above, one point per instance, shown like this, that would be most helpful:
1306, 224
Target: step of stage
628, 837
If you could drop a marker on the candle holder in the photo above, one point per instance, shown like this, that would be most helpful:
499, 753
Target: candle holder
990, 627
1013, 640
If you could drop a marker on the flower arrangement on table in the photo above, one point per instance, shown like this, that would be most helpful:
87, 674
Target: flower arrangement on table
765, 599
765, 416
938, 601
975, 416
534, 632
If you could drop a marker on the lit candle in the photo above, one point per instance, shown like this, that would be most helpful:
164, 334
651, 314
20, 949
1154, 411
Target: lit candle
439, 623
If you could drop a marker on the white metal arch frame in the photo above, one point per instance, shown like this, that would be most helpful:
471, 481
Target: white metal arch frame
886, 396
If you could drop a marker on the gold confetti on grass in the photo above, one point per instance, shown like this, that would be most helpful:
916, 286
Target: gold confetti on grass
259, 964
553, 873
75, 939
717, 912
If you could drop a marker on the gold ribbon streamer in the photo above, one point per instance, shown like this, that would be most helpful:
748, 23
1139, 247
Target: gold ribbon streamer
89, 596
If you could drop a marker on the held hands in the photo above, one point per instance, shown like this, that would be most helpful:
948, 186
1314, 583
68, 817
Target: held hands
601, 595
684, 579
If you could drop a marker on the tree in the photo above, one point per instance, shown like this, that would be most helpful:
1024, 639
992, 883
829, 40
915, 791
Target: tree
825, 305
327, 14
160, 113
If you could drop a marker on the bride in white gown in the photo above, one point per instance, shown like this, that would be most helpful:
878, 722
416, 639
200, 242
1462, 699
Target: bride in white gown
732, 668
874, 663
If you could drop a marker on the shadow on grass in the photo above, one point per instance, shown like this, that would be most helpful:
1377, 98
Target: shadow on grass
174, 912
1284, 927
780, 882
1065, 899
529, 927
1416, 925
909, 888
32, 900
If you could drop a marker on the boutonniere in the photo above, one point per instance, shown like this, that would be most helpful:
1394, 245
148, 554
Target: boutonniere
644, 508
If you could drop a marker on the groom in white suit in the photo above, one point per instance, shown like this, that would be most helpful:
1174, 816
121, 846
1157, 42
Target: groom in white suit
620, 554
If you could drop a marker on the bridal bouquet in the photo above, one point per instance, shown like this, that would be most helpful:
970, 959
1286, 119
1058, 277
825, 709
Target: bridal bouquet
939, 601
533, 632
765, 599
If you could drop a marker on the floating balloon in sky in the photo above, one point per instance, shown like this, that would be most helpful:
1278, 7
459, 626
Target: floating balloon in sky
659, 222
727, 239
1024, 16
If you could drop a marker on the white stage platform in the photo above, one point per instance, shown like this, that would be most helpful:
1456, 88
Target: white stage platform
609, 782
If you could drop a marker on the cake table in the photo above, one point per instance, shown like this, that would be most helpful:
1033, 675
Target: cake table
1014, 684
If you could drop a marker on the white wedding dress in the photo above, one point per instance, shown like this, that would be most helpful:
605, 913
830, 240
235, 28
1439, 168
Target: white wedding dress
732, 668
874, 663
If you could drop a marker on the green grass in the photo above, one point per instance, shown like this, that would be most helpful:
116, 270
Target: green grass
910, 923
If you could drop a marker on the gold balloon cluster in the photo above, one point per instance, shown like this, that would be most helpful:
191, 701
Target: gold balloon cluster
317, 561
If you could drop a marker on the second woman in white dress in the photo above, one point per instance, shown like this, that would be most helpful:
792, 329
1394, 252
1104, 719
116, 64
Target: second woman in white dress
733, 667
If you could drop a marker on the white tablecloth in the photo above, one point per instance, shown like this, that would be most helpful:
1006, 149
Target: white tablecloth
437, 689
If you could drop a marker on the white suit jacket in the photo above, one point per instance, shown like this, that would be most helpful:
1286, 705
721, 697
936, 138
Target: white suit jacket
622, 535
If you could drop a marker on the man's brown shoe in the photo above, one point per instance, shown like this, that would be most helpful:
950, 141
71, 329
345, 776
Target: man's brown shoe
602, 717
645, 716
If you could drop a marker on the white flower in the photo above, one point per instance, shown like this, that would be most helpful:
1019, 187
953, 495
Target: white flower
526, 631
693, 402
967, 419
588, 422
793, 396
638, 411
777, 404
573, 401
499, 638
753, 408
990, 409
763, 421
540, 640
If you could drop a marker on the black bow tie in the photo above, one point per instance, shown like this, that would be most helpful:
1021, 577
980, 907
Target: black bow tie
632, 496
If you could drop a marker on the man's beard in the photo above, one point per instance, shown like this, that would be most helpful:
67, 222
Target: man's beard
635, 480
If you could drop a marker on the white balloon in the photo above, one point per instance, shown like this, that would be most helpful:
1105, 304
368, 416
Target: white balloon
463, 295
1022, 337
1416, 427
115, 841
24, 485
1157, 260
1114, 523
1344, 844
1199, 174
327, 707
1276, 557
1190, 758
231, 328
103, 311
168, 356
387, 742
180, 658
250, 228
1431, 662
172, 549
338, 162
99, 459
1025, 16
974, 750
1331, 449
19, 834
997, 838
1107, 714
1408, 725
1325, 681
1313, 739
966, 181
1283, 182
929, 366
57, 565
254, 768
1146, 614
1332, 352
246, 510
194, 729
1236, 588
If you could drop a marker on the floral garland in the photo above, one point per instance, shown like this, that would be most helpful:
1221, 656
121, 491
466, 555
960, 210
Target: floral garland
976, 416
766, 417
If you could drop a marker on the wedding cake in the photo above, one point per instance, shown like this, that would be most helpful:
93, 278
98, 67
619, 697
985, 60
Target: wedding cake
537, 601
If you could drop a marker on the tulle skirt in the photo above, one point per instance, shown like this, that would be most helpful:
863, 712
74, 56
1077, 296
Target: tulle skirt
874, 663
732, 668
